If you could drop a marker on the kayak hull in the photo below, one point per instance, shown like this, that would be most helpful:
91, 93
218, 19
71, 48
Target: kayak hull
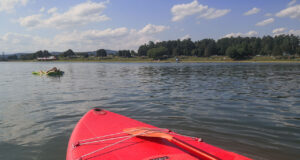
98, 122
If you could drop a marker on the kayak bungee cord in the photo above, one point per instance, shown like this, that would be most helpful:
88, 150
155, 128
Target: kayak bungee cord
126, 138
101, 140
84, 141
157, 134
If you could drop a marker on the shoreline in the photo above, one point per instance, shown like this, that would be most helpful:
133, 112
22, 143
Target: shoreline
213, 59
158, 61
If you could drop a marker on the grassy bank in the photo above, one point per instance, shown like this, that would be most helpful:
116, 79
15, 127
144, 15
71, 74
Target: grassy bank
183, 59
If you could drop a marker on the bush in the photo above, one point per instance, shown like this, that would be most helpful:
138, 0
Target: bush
157, 53
237, 53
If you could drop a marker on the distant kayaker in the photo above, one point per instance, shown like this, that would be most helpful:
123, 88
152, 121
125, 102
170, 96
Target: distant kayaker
54, 69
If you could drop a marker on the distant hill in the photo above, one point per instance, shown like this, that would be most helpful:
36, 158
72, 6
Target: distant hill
110, 52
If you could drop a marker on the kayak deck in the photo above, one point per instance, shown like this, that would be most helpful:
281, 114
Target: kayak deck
115, 144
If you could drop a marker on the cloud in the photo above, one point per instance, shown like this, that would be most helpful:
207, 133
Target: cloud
180, 11
278, 31
42, 9
292, 12
52, 10
294, 32
31, 21
292, 2
118, 38
265, 22
81, 14
248, 34
252, 11
15, 42
185, 37
9, 5
150, 29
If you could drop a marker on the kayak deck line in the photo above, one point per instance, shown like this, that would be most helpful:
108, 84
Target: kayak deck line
127, 137
104, 135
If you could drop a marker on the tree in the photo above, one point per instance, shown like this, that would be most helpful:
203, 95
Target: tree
41, 53
210, 49
124, 53
133, 53
245, 47
157, 53
83, 54
12, 57
142, 51
27, 57
276, 51
68, 53
101, 53
237, 52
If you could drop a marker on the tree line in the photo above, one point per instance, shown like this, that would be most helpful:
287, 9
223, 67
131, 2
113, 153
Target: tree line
237, 48
67, 54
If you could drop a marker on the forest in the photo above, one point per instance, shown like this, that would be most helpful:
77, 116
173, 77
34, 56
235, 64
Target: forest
237, 48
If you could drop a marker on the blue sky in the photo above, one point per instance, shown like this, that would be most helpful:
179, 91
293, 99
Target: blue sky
86, 25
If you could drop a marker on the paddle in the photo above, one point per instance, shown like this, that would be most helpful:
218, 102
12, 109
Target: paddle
157, 133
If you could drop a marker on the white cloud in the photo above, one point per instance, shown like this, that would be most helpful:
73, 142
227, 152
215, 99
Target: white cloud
150, 29
294, 32
118, 38
185, 37
52, 10
31, 21
81, 14
292, 12
9, 5
278, 31
265, 22
292, 2
42, 9
252, 11
248, 34
181, 11
15, 42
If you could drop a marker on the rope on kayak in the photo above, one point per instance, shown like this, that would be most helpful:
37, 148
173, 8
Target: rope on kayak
84, 141
101, 140
128, 137
98, 139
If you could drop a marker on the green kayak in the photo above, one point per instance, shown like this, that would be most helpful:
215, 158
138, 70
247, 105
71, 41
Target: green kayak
41, 73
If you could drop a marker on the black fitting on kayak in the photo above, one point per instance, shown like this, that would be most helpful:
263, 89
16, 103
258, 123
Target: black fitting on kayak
76, 145
99, 111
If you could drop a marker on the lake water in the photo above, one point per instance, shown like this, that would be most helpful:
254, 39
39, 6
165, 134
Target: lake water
249, 108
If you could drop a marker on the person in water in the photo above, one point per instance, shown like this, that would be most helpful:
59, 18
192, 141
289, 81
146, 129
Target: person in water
54, 69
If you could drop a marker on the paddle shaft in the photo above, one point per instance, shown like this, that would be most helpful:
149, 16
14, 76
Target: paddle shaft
203, 155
